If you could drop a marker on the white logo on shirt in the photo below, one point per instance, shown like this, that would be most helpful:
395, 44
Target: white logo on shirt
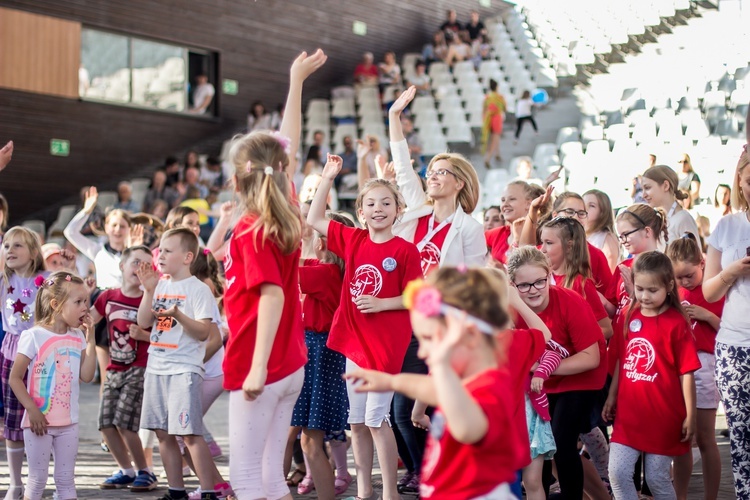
430, 255
639, 360
366, 281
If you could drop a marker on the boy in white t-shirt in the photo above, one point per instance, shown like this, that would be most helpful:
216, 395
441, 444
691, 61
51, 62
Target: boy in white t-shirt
179, 307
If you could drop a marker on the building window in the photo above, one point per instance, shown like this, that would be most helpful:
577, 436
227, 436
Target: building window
129, 70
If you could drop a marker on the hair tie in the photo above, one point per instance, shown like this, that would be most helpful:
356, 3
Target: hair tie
268, 170
39, 281
206, 251
67, 277
249, 167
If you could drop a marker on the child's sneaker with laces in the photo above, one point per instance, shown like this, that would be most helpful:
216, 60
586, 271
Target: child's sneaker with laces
116, 481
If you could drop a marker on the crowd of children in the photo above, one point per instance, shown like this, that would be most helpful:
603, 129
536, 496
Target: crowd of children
485, 358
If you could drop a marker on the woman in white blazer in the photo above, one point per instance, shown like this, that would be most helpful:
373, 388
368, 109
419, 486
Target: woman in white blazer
438, 222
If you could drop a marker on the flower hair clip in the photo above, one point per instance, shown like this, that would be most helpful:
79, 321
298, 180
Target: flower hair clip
427, 300
284, 141
39, 281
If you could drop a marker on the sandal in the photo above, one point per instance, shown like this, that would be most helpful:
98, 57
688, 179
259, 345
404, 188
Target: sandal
342, 483
295, 477
306, 486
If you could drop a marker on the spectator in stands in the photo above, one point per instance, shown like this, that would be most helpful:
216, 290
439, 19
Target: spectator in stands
159, 209
413, 141
194, 200
722, 199
493, 218
493, 113
366, 73
125, 198
212, 175
258, 118
160, 191
389, 71
475, 26
6, 153
525, 172
349, 163
192, 179
481, 50
318, 151
202, 95
688, 179
437, 50
636, 192
459, 48
421, 80
173, 170
451, 24
524, 113
374, 149
192, 159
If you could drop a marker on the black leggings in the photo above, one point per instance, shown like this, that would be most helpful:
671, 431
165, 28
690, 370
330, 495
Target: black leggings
409, 440
519, 124
571, 416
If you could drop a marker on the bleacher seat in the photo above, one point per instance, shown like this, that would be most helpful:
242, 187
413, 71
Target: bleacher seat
567, 134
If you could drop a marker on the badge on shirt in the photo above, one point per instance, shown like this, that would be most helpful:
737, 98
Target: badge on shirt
389, 264
635, 325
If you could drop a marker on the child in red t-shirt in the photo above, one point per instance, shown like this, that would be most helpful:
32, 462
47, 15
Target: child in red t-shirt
371, 327
688, 262
265, 354
322, 405
652, 396
458, 316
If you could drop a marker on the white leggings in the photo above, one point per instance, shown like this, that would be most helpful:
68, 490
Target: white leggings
258, 432
63, 442
622, 461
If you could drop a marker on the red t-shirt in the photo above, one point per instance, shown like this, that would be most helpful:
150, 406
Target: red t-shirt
432, 251
650, 404
376, 341
616, 293
600, 269
525, 349
705, 335
497, 242
587, 290
453, 470
250, 263
120, 312
362, 71
321, 284
573, 329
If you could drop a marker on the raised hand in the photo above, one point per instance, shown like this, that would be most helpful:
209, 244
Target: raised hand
538, 204
305, 65
362, 148
6, 153
332, 166
148, 277
91, 197
403, 100
136, 235
226, 210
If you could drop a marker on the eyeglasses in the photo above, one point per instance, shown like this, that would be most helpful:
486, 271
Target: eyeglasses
440, 173
539, 284
581, 214
624, 237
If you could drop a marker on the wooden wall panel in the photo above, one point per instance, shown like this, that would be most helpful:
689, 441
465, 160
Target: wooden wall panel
39, 53
255, 41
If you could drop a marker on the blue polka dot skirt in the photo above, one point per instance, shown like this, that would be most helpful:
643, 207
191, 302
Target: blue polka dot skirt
323, 403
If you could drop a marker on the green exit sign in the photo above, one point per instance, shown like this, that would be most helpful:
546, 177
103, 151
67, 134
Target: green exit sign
59, 147
230, 87
359, 28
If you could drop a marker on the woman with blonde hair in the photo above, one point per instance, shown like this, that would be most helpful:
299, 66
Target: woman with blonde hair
438, 221
661, 190
727, 275
688, 179
600, 225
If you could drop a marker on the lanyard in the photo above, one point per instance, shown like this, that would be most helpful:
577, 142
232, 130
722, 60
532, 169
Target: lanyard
671, 211
432, 231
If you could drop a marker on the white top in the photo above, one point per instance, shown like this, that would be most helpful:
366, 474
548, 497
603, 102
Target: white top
213, 365
464, 243
679, 223
106, 261
54, 373
732, 238
523, 107
172, 350
597, 239
200, 94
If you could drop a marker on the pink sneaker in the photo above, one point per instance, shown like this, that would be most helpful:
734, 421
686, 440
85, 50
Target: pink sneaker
342, 483
215, 449
305, 486
224, 490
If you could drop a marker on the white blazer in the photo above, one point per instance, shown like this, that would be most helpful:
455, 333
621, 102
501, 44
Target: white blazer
464, 243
